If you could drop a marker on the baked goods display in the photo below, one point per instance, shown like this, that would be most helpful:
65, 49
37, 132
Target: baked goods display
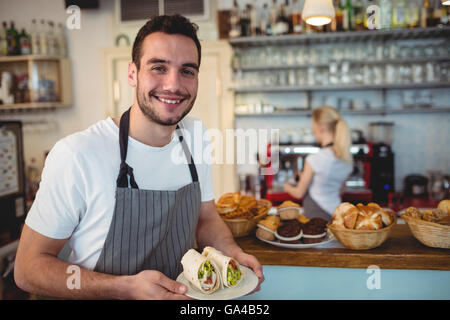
361, 217
440, 215
241, 213
430, 226
237, 206
289, 226
288, 210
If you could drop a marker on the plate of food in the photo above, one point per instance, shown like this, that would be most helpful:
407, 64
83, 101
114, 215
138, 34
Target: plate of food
291, 229
212, 275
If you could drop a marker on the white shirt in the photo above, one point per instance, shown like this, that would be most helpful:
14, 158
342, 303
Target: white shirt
329, 175
76, 196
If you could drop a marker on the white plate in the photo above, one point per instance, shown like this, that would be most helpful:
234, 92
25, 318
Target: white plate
248, 283
329, 238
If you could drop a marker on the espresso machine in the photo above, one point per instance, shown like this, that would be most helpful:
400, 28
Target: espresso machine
381, 161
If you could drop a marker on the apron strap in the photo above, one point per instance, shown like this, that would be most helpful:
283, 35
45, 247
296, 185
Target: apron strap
189, 158
125, 169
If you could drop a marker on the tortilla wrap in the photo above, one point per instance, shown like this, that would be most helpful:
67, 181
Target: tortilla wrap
223, 261
192, 261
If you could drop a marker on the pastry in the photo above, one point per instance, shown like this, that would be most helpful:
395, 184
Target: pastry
345, 216
433, 215
386, 218
369, 218
302, 218
444, 205
288, 204
413, 213
290, 228
313, 229
270, 223
228, 202
288, 210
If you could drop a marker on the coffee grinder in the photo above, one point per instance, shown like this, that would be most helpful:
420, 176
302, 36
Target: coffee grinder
382, 161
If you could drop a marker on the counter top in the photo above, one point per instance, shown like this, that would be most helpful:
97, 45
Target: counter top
400, 251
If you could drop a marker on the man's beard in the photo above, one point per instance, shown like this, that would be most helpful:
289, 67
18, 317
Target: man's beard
152, 115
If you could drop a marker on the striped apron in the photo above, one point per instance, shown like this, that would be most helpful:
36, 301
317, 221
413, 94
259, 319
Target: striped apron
150, 229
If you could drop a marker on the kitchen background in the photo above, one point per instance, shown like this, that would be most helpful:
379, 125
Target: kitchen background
420, 139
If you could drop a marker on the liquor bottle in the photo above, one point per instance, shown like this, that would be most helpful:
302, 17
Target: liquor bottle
3, 40
25, 43
254, 21
358, 21
61, 39
244, 21
297, 23
52, 42
12, 37
264, 20
385, 14
43, 31
399, 14
288, 14
282, 23
433, 14
347, 15
413, 14
35, 38
338, 15
235, 30
273, 18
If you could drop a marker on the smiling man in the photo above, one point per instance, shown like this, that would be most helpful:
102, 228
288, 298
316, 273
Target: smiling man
112, 196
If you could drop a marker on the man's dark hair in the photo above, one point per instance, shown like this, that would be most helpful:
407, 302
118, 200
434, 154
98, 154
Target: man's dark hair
174, 24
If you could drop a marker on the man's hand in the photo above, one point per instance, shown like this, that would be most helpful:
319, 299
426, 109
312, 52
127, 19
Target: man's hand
152, 284
253, 263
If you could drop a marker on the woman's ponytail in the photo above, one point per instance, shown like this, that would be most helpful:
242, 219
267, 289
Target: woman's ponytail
342, 141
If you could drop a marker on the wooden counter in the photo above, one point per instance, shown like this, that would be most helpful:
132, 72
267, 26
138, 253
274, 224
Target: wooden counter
400, 251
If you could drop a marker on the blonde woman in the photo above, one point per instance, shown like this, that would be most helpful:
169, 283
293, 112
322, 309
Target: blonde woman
324, 172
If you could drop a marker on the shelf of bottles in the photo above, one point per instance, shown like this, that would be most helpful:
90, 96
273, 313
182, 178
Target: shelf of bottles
413, 57
34, 67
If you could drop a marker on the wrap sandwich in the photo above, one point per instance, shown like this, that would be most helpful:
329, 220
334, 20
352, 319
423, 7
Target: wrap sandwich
201, 271
230, 270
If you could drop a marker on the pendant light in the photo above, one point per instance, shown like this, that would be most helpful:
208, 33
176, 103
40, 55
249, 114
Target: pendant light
318, 12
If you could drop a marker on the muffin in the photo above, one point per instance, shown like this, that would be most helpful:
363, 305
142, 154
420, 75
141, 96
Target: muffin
288, 210
289, 231
267, 227
314, 231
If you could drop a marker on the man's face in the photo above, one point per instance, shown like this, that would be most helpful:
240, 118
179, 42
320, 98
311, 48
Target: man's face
167, 81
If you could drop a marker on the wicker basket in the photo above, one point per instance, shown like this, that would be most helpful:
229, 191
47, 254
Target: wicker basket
429, 233
362, 239
243, 227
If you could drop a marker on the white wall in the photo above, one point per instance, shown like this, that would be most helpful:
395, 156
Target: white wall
84, 51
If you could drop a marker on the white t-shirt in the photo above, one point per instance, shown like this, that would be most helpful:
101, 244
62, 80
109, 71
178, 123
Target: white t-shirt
76, 196
329, 175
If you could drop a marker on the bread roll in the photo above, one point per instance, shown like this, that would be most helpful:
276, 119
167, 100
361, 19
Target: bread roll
444, 206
